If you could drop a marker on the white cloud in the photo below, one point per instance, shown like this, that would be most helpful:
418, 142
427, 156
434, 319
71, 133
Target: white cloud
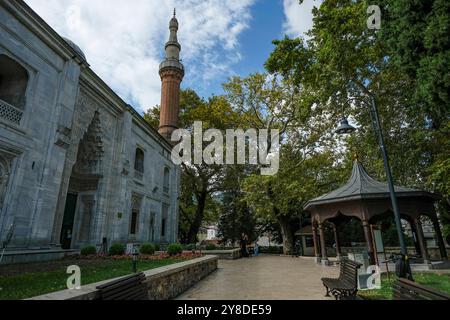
299, 18
124, 40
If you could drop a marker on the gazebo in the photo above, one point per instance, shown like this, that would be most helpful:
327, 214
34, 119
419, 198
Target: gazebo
368, 200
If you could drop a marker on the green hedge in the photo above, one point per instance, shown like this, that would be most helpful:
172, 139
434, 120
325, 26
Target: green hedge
190, 247
117, 249
147, 249
88, 251
174, 249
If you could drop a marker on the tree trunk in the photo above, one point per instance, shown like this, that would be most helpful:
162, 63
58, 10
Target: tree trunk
199, 214
286, 233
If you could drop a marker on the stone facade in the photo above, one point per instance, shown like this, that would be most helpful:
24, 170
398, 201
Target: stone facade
78, 166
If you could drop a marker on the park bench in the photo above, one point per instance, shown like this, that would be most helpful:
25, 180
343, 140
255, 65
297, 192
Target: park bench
346, 286
404, 289
127, 288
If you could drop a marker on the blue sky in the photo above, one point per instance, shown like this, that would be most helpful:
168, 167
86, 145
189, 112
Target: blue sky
124, 40
255, 42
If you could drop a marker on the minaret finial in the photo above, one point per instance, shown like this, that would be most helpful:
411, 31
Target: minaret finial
174, 12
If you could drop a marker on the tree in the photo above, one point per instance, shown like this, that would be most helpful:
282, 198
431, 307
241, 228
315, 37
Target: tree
344, 63
415, 35
199, 182
281, 198
236, 218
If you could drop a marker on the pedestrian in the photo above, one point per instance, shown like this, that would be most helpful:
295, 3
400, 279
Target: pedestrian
256, 249
244, 252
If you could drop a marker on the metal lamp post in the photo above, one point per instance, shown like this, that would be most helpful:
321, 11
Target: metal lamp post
135, 258
346, 128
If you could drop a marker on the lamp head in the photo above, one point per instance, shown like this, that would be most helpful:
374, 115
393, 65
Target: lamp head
345, 127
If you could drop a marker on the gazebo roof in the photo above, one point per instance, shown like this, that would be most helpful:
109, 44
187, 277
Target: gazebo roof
362, 186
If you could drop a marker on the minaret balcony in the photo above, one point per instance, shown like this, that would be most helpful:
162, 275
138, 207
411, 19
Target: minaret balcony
171, 64
173, 43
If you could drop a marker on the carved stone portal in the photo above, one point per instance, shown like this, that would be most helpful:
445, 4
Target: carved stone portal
90, 152
4, 177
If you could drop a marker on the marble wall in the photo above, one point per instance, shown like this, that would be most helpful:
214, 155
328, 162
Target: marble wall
76, 136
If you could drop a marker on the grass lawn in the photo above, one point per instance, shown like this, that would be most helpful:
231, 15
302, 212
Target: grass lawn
436, 281
29, 285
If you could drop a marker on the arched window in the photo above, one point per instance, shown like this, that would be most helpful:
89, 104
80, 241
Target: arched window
166, 180
13, 87
139, 161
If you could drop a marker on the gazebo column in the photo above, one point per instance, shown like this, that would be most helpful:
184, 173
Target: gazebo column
421, 239
316, 245
440, 239
323, 245
369, 240
336, 240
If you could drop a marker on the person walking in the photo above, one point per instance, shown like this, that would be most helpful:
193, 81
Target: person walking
256, 249
244, 242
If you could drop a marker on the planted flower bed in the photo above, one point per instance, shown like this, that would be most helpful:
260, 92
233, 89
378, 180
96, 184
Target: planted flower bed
30, 280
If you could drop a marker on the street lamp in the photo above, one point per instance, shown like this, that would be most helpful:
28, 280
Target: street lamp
346, 128
135, 258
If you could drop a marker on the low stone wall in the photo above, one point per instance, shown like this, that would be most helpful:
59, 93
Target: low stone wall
163, 283
233, 254
433, 252
30, 256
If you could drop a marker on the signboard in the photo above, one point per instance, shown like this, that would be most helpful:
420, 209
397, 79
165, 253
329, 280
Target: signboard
130, 247
379, 246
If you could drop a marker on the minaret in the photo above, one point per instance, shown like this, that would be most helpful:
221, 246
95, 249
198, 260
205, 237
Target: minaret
172, 72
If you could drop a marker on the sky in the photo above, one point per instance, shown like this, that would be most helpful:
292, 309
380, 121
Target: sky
124, 40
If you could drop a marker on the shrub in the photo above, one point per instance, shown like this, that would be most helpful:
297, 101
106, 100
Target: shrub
157, 247
191, 247
117, 249
147, 249
211, 247
88, 251
174, 249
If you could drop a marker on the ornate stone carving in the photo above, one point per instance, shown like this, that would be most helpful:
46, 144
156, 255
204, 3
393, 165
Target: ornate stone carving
84, 182
10, 113
90, 152
63, 137
4, 177
136, 201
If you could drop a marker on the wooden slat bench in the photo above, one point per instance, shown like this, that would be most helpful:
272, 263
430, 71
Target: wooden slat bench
127, 288
346, 286
404, 289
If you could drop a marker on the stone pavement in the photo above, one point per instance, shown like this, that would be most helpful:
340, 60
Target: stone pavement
264, 278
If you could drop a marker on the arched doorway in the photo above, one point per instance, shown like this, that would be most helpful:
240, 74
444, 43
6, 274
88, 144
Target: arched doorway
80, 209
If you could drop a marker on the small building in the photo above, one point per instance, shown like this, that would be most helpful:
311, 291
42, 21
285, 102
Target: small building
368, 200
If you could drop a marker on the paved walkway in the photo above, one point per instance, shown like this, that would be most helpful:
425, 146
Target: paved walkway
263, 278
